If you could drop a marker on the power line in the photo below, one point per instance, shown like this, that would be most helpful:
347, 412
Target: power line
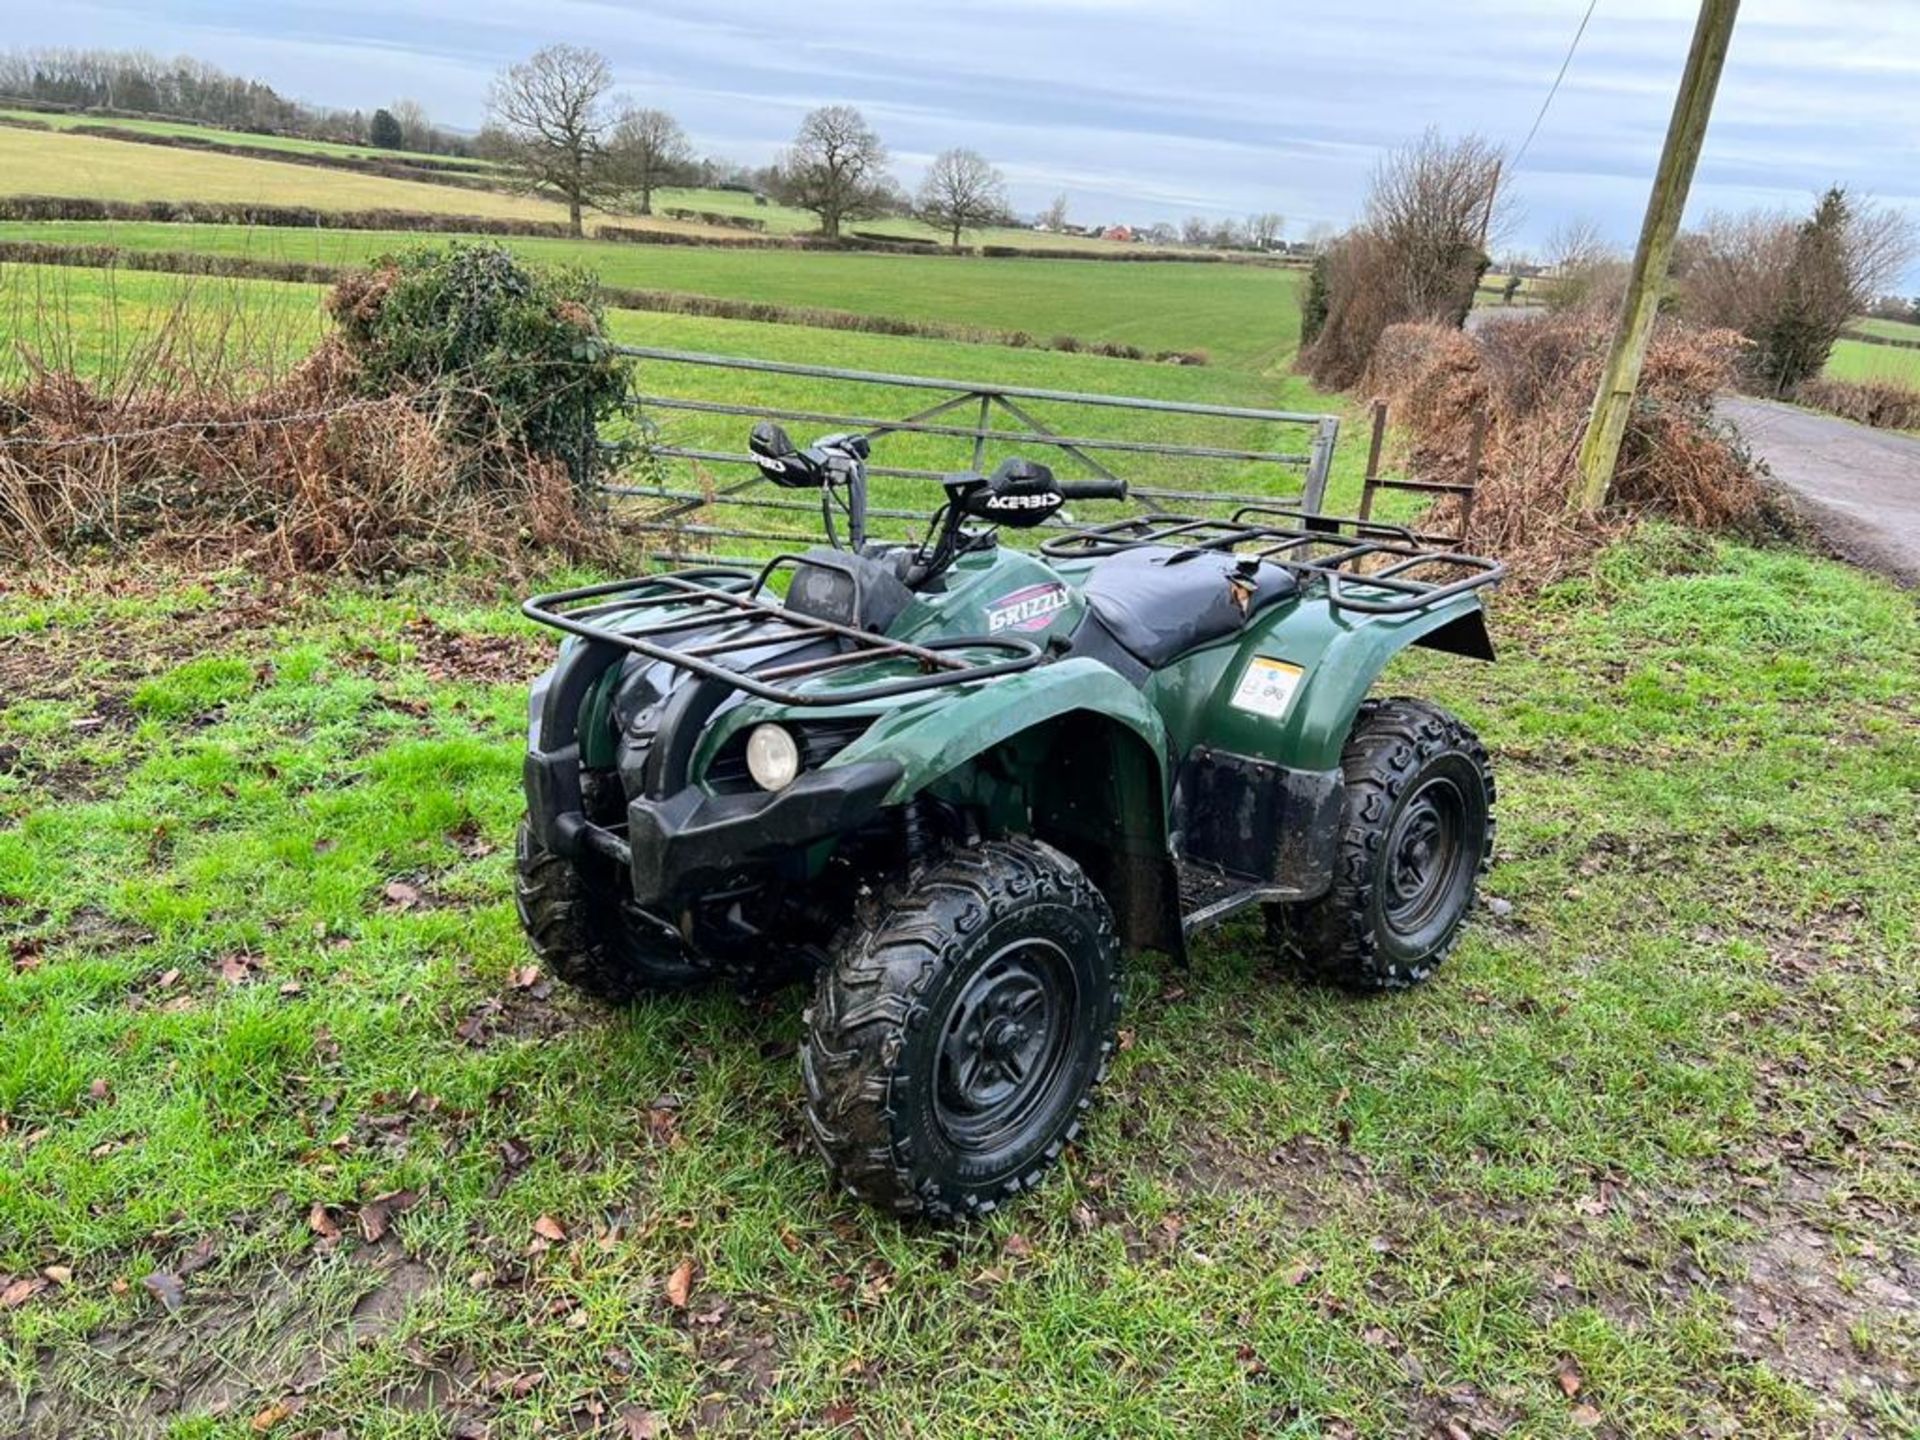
1554, 89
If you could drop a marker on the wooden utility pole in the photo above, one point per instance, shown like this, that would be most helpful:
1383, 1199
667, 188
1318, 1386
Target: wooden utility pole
1607, 426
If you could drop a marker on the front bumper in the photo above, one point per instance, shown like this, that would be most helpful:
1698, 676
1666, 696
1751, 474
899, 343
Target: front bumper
673, 845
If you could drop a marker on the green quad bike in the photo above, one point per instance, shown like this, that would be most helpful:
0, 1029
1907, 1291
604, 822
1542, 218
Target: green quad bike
954, 781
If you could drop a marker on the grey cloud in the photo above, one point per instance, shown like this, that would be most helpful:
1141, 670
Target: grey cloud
1145, 109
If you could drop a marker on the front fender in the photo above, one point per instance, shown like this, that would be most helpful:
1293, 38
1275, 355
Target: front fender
934, 734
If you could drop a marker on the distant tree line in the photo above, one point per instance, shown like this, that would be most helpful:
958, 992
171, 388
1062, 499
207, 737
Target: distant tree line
558, 124
188, 89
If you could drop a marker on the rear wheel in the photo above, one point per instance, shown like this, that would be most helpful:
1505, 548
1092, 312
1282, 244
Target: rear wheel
1416, 836
955, 1040
589, 933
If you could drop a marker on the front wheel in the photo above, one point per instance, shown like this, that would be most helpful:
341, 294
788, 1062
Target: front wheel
955, 1039
589, 933
1416, 836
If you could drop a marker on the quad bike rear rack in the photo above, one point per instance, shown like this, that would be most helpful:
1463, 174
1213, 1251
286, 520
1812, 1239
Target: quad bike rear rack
695, 601
1348, 554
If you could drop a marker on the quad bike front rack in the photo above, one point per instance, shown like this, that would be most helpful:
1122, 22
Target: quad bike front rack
1347, 554
692, 603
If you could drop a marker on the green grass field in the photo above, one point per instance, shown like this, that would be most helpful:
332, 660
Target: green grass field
785, 220
1890, 329
1242, 316
292, 143
1855, 360
1641, 1161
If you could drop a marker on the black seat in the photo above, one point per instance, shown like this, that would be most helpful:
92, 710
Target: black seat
1159, 602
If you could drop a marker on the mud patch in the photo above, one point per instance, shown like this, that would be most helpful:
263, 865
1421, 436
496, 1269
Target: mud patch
234, 1349
1843, 1322
445, 654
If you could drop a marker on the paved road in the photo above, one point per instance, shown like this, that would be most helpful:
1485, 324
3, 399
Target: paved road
1860, 487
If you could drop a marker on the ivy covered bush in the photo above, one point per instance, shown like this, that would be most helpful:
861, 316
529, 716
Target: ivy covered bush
509, 357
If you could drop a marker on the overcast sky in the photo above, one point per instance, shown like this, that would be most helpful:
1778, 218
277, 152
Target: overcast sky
1142, 109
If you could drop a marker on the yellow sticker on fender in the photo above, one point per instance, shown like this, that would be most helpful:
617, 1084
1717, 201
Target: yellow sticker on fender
1267, 687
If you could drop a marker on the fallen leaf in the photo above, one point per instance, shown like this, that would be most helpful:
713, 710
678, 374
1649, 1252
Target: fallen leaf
1018, 1246
198, 1258
237, 969
518, 1384
642, 1424
167, 978
322, 1223
21, 1291
473, 1029
59, 1274
1300, 1272
838, 1413
377, 1214
1585, 1416
663, 1123
515, 1155
170, 1290
524, 977
402, 895
1570, 1379
680, 1284
548, 1228
271, 1416
292, 987
100, 1090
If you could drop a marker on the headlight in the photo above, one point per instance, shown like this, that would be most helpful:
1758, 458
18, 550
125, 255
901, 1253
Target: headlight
773, 759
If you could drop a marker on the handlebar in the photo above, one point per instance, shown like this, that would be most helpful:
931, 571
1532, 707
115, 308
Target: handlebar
1092, 489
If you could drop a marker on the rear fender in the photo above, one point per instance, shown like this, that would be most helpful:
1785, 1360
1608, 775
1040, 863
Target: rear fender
1340, 655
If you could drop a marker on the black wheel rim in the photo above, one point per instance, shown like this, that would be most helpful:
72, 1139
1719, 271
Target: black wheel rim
1005, 1045
1427, 860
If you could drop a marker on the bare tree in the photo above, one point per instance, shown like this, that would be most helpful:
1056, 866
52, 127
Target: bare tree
1054, 217
1792, 286
961, 192
1263, 229
647, 149
1418, 256
1584, 271
1196, 230
837, 168
1432, 204
552, 110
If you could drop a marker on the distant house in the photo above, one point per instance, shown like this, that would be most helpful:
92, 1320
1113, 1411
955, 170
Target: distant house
1122, 233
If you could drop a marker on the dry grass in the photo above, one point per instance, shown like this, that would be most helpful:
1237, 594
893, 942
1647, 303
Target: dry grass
1534, 379
39, 163
1883, 404
193, 439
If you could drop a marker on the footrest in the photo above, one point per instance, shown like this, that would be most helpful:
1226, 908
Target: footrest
1209, 896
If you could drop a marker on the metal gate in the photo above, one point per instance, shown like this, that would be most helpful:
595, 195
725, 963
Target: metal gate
706, 494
